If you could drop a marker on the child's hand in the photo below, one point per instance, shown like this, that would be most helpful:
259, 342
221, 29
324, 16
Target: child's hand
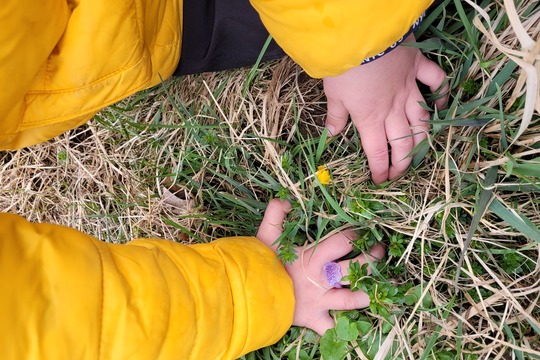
313, 293
382, 99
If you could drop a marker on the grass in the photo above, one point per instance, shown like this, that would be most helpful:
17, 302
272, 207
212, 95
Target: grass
199, 157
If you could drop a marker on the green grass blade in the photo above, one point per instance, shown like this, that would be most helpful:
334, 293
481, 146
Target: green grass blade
253, 71
508, 331
502, 76
516, 220
321, 146
469, 29
478, 122
333, 203
480, 208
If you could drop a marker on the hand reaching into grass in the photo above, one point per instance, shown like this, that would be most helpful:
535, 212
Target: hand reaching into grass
382, 98
313, 293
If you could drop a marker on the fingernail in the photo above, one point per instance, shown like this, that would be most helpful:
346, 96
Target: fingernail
331, 129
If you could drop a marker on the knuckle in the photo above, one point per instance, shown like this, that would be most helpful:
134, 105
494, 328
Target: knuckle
379, 154
333, 117
424, 116
421, 130
349, 303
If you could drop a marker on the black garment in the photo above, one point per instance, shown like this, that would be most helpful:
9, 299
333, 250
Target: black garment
222, 34
227, 34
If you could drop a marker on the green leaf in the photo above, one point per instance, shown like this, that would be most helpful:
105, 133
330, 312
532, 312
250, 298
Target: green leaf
346, 330
419, 152
510, 166
302, 355
396, 249
386, 327
363, 327
413, 295
332, 348
446, 355
468, 26
473, 105
459, 337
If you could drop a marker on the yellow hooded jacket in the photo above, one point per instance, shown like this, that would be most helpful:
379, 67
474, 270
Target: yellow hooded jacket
65, 295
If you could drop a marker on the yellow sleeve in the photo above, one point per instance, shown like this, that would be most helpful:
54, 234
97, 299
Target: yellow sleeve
329, 37
66, 295
61, 61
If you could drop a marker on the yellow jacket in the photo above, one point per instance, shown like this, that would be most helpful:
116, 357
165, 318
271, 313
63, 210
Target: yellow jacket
66, 295
63, 60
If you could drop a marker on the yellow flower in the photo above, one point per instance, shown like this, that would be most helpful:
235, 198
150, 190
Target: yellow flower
323, 175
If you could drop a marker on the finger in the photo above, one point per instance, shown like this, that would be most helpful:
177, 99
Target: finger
375, 254
336, 117
418, 117
345, 299
373, 137
272, 225
401, 142
333, 248
323, 323
431, 74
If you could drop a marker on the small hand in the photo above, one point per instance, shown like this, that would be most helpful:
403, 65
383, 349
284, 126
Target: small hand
382, 98
314, 297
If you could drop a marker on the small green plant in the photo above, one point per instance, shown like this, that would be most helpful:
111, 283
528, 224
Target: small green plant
62, 156
335, 342
471, 87
397, 245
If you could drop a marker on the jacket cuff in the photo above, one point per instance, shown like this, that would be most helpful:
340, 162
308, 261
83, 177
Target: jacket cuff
262, 292
413, 28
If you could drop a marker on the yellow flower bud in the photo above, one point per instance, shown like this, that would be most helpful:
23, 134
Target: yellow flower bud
323, 175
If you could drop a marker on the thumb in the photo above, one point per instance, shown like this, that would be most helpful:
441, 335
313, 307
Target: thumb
272, 225
336, 116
